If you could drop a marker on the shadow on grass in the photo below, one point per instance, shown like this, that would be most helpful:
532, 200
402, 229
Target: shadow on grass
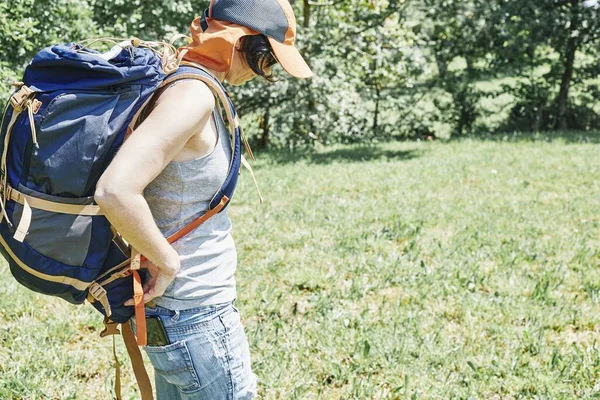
341, 155
568, 137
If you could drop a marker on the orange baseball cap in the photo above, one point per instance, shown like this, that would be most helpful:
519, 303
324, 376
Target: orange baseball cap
273, 18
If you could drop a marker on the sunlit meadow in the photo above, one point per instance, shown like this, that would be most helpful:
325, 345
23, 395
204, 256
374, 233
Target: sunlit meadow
427, 270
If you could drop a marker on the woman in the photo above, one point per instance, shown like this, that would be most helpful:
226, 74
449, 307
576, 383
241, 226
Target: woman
165, 175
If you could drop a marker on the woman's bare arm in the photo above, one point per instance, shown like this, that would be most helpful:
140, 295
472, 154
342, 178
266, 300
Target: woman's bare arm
181, 111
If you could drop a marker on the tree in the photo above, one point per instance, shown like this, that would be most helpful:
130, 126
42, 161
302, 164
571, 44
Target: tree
147, 19
361, 59
27, 26
380, 66
525, 29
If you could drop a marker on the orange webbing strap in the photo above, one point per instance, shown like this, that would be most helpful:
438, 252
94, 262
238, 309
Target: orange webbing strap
137, 362
140, 313
138, 290
136, 257
198, 221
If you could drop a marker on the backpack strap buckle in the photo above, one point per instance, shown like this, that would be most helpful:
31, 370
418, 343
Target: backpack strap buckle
98, 293
18, 101
35, 105
110, 328
136, 260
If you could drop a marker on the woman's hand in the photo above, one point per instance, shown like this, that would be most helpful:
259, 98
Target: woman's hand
157, 282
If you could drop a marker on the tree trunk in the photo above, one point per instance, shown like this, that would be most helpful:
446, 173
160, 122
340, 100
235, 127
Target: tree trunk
565, 84
470, 66
376, 114
306, 21
539, 119
442, 67
312, 107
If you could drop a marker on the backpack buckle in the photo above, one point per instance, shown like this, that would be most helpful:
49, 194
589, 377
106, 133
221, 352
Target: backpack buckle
136, 259
110, 328
98, 293
19, 100
35, 105
8, 195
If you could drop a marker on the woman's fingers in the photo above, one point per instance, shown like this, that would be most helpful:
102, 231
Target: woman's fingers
156, 283
149, 294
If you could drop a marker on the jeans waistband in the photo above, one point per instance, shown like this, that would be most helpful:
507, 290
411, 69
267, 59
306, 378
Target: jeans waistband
204, 310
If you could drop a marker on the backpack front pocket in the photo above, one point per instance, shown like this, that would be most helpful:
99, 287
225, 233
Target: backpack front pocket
63, 237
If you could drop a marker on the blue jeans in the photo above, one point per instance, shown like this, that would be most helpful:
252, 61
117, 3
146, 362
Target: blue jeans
208, 357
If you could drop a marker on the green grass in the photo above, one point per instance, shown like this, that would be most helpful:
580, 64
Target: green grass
457, 270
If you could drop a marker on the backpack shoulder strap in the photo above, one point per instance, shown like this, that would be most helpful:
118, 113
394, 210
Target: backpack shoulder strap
220, 200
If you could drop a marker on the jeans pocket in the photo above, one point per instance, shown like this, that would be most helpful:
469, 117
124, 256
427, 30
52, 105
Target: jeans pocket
174, 364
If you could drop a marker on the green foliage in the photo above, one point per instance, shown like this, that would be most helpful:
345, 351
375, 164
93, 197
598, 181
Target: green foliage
29, 25
533, 111
16, 30
147, 19
518, 39
462, 112
561, 35
356, 52
384, 69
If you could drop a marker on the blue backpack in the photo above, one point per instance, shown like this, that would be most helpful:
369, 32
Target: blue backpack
59, 132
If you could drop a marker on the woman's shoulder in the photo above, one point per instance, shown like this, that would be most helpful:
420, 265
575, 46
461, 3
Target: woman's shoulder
186, 95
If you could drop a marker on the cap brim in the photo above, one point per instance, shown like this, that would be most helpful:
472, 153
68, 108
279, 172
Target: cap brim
290, 59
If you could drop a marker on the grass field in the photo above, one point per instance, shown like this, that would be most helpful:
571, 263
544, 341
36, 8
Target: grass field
460, 270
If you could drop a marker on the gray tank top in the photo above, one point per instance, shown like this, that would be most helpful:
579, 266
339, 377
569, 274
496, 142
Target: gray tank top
177, 196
